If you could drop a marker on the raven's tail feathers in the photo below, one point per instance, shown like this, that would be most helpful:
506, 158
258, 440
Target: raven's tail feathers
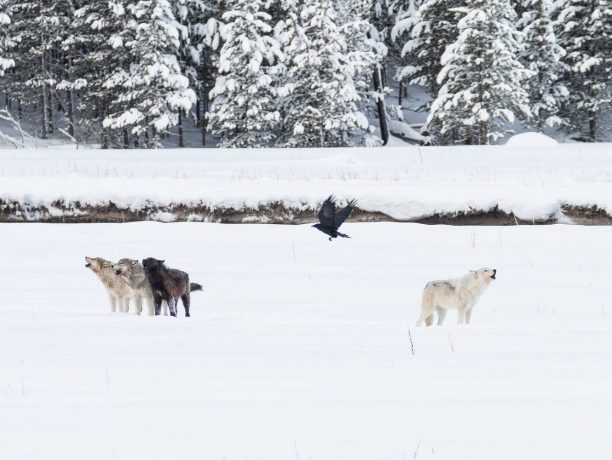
343, 235
195, 287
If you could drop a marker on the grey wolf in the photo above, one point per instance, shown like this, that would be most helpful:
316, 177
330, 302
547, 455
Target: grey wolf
132, 272
457, 293
168, 284
330, 220
119, 293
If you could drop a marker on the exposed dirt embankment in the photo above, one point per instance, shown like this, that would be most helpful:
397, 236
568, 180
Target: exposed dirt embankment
273, 213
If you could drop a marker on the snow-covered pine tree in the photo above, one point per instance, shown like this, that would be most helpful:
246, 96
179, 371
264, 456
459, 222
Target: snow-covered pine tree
383, 14
31, 82
151, 91
587, 39
99, 29
401, 9
103, 28
542, 55
5, 41
244, 111
200, 52
426, 32
366, 53
319, 99
483, 82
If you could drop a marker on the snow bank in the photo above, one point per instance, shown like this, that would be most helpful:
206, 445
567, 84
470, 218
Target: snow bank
531, 140
404, 183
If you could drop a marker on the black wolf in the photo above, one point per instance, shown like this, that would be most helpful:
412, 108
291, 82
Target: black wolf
168, 284
330, 220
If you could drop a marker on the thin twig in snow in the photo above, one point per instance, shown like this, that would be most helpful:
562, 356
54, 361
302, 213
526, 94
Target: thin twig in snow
297, 454
416, 452
411, 342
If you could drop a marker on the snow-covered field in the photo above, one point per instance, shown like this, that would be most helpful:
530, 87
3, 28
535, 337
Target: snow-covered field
407, 183
300, 348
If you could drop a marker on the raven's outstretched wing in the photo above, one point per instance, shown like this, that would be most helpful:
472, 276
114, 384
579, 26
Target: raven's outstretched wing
344, 214
327, 214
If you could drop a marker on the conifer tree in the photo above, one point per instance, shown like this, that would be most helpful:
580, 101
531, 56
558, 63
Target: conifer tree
319, 96
151, 91
5, 41
482, 79
542, 55
36, 31
244, 112
426, 32
587, 38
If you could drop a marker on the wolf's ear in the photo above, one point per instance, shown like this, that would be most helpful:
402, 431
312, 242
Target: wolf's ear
134, 263
161, 262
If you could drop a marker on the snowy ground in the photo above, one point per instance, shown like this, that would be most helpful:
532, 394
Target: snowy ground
406, 183
300, 349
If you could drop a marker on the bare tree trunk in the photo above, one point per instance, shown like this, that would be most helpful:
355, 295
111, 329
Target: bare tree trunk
204, 119
44, 113
70, 95
126, 141
400, 92
44, 103
383, 76
147, 138
180, 129
380, 106
49, 98
593, 127
198, 108
104, 139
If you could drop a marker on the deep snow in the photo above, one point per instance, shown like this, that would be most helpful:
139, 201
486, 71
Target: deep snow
406, 183
300, 348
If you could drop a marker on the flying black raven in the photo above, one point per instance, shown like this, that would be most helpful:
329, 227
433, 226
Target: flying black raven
330, 220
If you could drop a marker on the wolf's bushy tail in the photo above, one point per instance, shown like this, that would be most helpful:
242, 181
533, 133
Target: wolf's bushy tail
195, 287
427, 307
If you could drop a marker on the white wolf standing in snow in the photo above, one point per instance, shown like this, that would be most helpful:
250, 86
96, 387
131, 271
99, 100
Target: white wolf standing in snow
459, 293
118, 290
132, 272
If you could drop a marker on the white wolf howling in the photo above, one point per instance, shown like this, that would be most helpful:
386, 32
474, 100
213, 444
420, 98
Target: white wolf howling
457, 293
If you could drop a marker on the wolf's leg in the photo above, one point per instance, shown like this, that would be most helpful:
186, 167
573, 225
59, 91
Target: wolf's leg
150, 306
441, 315
468, 315
172, 306
186, 303
166, 309
158, 303
126, 304
138, 304
461, 314
113, 302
